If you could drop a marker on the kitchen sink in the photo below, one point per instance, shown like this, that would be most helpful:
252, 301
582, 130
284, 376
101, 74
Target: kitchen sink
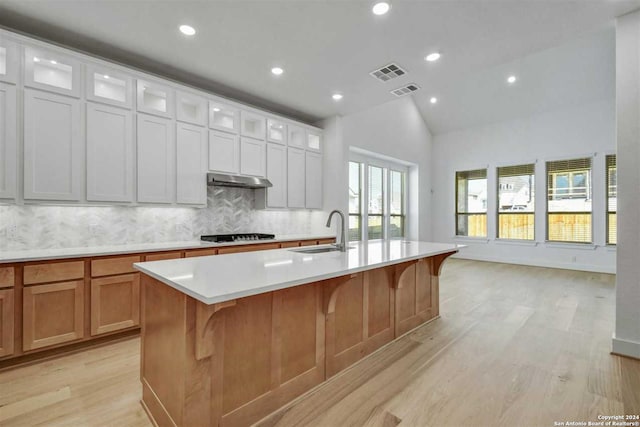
313, 250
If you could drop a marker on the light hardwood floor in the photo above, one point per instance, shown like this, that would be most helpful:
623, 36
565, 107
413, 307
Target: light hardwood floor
515, 345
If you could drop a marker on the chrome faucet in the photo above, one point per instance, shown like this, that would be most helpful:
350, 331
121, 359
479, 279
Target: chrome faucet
342, 245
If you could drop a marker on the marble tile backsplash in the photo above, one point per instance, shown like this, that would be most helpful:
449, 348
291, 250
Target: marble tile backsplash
229, 210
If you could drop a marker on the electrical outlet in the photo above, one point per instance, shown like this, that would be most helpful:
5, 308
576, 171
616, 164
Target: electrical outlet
12, 232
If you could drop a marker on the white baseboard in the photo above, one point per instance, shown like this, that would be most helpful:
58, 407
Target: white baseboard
536, 263
625, 347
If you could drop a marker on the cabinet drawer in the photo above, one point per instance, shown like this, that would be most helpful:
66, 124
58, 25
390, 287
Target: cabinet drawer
326, 241
163, 256
7, 277
249, 248
200, 252
115, 303
52, 314
308, 242
53, 272
111, 266
290, 244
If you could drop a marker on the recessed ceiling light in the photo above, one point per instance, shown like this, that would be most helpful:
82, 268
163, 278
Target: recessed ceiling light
106, 76
36, 59
381, 8
277, 71
337, 96
216, 109
433, 100
511, 79
187, 30
432, 57
54, 62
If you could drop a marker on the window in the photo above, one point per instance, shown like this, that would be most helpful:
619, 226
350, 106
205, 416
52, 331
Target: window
376, 203
569, 201
377, 198
355, 201
396, 204
516, 202
612, 200
471, 203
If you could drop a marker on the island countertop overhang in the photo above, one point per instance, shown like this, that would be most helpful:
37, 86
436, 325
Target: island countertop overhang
219, 278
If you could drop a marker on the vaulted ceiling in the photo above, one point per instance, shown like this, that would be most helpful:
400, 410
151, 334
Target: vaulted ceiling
561, 51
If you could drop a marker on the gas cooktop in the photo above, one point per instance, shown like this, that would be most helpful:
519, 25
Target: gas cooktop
239, 237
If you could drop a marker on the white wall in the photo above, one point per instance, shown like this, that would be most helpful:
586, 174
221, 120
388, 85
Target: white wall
397, 130
626, 339
571, 133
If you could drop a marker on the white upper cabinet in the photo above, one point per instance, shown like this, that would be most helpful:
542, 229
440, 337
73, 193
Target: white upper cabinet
276, 131
313, 180
53, 147
8, 142
156, 159
110, 151
191, 166
109, 86
8, 60
224, 152
52, 71
314, 141
277, 174
224, 117
252, 157
295, 178
252, 125
297, 137
155, 98
191, 108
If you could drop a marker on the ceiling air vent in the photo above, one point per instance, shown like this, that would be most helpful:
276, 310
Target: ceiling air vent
405, 90
388, 72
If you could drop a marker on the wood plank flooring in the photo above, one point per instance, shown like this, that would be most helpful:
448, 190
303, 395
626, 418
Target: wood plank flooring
515, 345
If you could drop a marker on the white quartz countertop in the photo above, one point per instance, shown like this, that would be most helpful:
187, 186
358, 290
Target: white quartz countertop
219, 278
85, 251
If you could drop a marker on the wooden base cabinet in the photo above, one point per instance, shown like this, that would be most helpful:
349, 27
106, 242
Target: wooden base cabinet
234, 362
360, 310
6, 322
52, 314
115, 303
230, 363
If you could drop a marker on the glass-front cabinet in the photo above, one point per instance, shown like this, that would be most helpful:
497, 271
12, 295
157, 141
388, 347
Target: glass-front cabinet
51, 71
108, 86
155, 98
223, 117
191, 108
276, 131
297, 137
8, 60
314, 141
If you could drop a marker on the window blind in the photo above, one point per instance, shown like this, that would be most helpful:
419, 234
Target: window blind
569, 208
612, 199
516, 202
506, 171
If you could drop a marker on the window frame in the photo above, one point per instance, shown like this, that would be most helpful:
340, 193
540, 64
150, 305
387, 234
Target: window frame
607, 171
387, 166
486, 209
589, 196
359, 214
532, 188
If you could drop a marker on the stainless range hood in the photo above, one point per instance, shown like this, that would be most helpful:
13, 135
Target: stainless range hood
223, 180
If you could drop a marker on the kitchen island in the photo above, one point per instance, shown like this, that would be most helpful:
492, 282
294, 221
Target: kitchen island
228, 339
